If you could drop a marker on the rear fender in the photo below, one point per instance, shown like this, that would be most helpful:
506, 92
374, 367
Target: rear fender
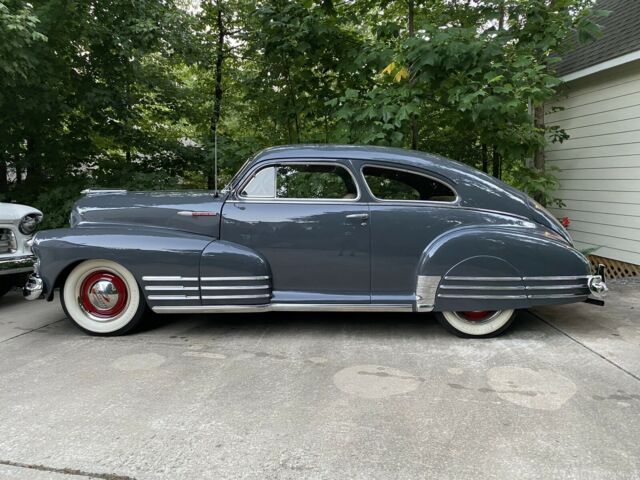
472, 256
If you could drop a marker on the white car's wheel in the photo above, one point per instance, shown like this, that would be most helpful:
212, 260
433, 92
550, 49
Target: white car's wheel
102, 298
487, 323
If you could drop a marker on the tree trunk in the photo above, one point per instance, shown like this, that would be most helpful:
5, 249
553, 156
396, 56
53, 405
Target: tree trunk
217, 98
496, 164
415, 131
538, 123
4, 184
485, 159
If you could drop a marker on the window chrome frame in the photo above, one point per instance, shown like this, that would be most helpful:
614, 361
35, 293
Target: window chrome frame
275, 162
454, 202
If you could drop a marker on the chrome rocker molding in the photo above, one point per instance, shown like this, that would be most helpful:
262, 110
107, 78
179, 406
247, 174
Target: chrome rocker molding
285, 307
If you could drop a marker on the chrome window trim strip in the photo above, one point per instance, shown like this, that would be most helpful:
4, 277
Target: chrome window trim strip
173, 297
481, 287
169, 287
236, 287
455, 202
169, 278
222, 279
229, 297
284, 307
482, 279
484, 297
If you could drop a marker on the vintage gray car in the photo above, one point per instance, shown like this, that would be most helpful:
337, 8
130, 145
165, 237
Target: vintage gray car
316, 228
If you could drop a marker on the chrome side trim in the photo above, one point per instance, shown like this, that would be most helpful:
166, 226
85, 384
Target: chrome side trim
230, 297
170, 287
236, 287
559, 295
222, 279
173, 297
426, 289
484, 297
285, 307
169, 278
482, 279
480, 287
556, 287
574, 277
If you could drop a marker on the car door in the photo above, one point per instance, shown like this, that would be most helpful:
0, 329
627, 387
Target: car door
306, 219
408, 209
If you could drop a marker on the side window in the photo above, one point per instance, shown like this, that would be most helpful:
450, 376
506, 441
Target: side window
302, 181
262, 185
391, 184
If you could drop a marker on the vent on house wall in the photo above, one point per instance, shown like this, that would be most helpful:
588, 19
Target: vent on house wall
615, 268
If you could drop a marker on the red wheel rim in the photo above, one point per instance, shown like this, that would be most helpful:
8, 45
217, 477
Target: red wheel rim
477, 315
103, 294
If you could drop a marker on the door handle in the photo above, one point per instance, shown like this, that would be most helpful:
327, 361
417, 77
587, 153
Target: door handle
359, 216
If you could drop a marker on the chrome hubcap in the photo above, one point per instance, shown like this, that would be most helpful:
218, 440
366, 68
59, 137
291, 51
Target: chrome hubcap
103, 295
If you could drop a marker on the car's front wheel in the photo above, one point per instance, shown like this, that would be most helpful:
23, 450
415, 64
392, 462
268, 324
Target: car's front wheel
477, 324
103, 298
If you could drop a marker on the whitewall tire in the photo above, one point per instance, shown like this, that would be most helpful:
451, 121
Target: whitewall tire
102, 298
477, 324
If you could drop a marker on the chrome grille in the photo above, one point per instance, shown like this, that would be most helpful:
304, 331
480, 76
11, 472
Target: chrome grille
7, 241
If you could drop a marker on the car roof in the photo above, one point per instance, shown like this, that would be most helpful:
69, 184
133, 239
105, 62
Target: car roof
400, 156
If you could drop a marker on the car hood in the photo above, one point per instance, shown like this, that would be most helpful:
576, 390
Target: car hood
189, 211
12, 212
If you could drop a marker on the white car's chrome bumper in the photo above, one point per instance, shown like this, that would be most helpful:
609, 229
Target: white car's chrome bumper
19, 264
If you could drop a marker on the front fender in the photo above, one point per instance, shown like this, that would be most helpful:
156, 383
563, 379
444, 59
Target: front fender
142, 250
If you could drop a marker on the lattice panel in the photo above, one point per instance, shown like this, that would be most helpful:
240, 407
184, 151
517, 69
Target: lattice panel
616, 268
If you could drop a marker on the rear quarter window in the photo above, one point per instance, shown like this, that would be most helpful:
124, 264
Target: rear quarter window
393, 184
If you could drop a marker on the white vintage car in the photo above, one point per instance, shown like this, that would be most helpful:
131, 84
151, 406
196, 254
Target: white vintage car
18, 224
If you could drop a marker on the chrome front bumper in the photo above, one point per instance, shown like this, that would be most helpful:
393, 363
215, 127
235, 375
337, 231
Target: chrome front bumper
21, 264
34, 287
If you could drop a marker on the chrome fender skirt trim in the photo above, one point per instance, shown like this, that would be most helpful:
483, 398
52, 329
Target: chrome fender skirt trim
284, 307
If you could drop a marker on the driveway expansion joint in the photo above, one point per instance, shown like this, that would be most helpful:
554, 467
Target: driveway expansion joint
66, 471
535, 315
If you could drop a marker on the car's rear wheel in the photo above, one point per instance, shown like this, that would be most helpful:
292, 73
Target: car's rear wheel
477, 324
103, 298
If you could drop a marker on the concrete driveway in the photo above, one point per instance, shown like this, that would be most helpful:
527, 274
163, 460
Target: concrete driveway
322, 396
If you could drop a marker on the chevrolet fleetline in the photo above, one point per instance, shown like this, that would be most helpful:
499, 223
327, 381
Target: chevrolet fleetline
316, 228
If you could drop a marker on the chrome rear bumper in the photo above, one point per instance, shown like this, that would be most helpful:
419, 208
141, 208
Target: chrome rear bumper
597, 286
21, 264
34, 287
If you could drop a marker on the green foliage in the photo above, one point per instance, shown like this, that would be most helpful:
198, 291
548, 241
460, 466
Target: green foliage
128, 94
537, 183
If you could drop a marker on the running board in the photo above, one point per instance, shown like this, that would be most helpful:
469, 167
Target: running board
286, 307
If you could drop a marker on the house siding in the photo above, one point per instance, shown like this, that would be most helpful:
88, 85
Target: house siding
599, 165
